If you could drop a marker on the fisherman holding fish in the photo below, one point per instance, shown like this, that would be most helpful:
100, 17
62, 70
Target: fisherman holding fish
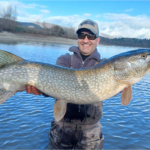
79, 92
79, 127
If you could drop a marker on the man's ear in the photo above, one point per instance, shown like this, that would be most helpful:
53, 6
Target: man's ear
98, 40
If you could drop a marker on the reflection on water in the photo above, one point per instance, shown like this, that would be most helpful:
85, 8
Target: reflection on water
25, 119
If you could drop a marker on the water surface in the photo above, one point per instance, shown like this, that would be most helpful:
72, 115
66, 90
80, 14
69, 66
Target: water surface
25, 118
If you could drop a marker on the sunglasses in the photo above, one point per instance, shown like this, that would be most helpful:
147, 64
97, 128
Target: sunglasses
89, 36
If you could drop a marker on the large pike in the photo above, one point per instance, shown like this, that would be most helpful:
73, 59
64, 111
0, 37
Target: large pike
84, 86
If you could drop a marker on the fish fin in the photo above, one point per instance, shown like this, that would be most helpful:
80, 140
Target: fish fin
59, 109
8, 58
4, 95
126, 95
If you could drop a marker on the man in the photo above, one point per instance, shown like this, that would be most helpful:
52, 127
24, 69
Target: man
80, 127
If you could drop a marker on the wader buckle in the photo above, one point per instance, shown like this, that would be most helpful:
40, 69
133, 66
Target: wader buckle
79, 127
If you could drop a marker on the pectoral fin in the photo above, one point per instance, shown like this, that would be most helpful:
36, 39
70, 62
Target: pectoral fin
59, 109
126, 95
4, 95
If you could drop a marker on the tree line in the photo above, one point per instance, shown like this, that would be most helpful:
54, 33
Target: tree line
133, 42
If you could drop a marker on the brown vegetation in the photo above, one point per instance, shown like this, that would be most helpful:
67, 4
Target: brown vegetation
56, 30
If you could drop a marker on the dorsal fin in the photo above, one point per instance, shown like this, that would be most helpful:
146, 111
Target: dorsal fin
8, 58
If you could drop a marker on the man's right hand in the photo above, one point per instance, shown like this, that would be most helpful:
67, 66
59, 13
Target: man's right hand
32, 90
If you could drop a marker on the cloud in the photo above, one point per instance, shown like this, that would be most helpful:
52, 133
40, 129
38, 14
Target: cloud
123, 25
30, 6
117, 25
45, 11
3, 4
87, 15
30, 18
70, 21
24, 15
20, 5
136, 22
128, 10
97, 16
42, 6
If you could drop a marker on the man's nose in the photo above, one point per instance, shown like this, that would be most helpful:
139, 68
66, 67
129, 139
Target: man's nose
86, 39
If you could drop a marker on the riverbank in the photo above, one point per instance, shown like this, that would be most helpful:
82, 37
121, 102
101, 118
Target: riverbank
10, 38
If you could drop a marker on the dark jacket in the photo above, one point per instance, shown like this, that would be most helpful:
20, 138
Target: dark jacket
81, 114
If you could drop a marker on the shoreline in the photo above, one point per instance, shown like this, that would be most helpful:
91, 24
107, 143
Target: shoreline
26, 38
16, 38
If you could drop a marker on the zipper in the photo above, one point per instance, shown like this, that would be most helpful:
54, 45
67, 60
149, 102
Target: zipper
82, 63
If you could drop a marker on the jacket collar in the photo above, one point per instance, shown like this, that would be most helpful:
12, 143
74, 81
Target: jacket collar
94, 55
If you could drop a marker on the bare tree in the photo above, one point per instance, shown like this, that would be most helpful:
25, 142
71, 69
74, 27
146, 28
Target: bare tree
9, 13
44, 25
15, 14
9, 16
57, 30
46, 30
71, 33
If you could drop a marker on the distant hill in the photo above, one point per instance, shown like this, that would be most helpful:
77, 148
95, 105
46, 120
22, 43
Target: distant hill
24, 24
28, 24
48, 25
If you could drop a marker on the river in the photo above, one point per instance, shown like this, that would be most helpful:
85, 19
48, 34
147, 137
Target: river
25, 118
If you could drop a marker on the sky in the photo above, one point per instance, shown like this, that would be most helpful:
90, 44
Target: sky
129, 19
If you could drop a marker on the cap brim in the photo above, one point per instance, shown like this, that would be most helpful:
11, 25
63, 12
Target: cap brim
79, 30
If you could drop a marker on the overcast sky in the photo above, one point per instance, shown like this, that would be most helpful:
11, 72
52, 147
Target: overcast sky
115, 18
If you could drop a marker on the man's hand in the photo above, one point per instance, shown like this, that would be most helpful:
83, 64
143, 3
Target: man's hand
33, 90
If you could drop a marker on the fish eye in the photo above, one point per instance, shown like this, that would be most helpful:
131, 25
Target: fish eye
144, 56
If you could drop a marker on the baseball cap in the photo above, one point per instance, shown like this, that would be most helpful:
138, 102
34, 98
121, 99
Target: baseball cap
90, 25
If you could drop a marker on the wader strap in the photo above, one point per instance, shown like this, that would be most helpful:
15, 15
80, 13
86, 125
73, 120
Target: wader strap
71, 61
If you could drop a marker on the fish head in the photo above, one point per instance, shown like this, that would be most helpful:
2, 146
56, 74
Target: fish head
131, 66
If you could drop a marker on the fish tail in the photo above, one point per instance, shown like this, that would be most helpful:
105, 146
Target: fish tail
8, 58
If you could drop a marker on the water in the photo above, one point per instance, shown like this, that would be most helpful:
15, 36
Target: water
25, 118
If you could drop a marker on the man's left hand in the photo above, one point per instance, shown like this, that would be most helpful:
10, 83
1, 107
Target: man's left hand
32, 90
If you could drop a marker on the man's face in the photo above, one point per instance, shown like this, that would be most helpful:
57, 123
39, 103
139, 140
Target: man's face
87, 46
